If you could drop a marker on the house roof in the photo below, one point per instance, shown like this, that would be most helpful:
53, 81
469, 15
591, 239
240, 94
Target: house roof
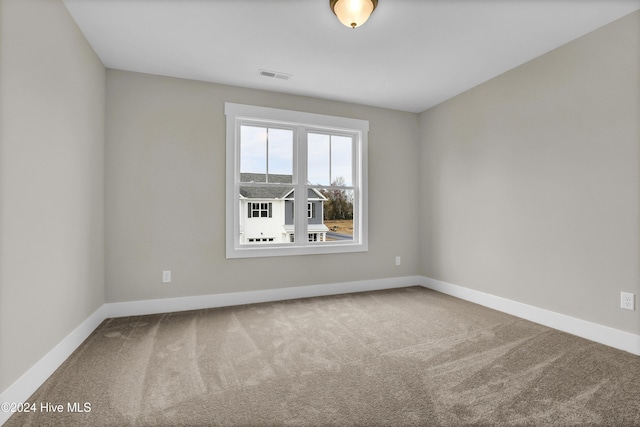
278, 191
262, 177
265, 192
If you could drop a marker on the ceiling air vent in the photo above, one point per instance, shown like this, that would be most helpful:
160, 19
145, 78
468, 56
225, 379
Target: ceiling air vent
274, 75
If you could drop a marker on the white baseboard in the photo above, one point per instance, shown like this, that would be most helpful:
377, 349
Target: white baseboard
31, 380
168, 305
592, 331
28, 383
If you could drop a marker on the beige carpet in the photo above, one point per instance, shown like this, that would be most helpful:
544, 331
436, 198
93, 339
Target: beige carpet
391, 358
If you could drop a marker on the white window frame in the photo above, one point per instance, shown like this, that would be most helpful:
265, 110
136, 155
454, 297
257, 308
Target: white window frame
237, 114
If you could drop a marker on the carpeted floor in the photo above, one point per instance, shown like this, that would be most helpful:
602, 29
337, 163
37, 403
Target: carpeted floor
391, 358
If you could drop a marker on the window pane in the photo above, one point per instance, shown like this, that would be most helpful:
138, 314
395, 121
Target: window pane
333, 215
264, 216
280, 152
253, 154
339, 230
341, 165
318, 159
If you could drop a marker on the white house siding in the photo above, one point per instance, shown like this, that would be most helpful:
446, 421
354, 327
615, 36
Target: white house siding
262, 228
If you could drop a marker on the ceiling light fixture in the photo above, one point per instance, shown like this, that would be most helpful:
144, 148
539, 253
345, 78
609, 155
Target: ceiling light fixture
353, 13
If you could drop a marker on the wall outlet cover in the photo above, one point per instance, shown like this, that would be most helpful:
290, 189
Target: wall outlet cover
627, 301
166, 276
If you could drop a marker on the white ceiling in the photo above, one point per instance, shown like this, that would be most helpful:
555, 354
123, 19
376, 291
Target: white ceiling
410, 55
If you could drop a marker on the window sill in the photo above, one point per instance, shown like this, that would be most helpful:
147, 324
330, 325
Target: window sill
249, 251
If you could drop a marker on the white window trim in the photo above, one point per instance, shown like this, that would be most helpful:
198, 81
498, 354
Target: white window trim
239, 112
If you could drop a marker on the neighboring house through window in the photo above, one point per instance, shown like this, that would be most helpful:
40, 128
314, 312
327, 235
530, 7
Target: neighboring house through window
292, 174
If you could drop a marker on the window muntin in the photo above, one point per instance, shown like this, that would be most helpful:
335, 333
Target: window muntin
266, 154
330, 159
338, 213
287, 157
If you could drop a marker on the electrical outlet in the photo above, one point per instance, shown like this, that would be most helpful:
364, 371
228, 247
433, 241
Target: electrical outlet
166, 276
627, 301
398, 261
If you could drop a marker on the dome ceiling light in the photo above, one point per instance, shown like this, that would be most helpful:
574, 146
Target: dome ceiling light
353, 13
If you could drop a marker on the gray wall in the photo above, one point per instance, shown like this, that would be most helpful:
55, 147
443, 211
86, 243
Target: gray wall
51, 181
530, 181
165, 189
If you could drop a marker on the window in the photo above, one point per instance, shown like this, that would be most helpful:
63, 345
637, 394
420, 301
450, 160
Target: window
260, 210
296, 183
260, 239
